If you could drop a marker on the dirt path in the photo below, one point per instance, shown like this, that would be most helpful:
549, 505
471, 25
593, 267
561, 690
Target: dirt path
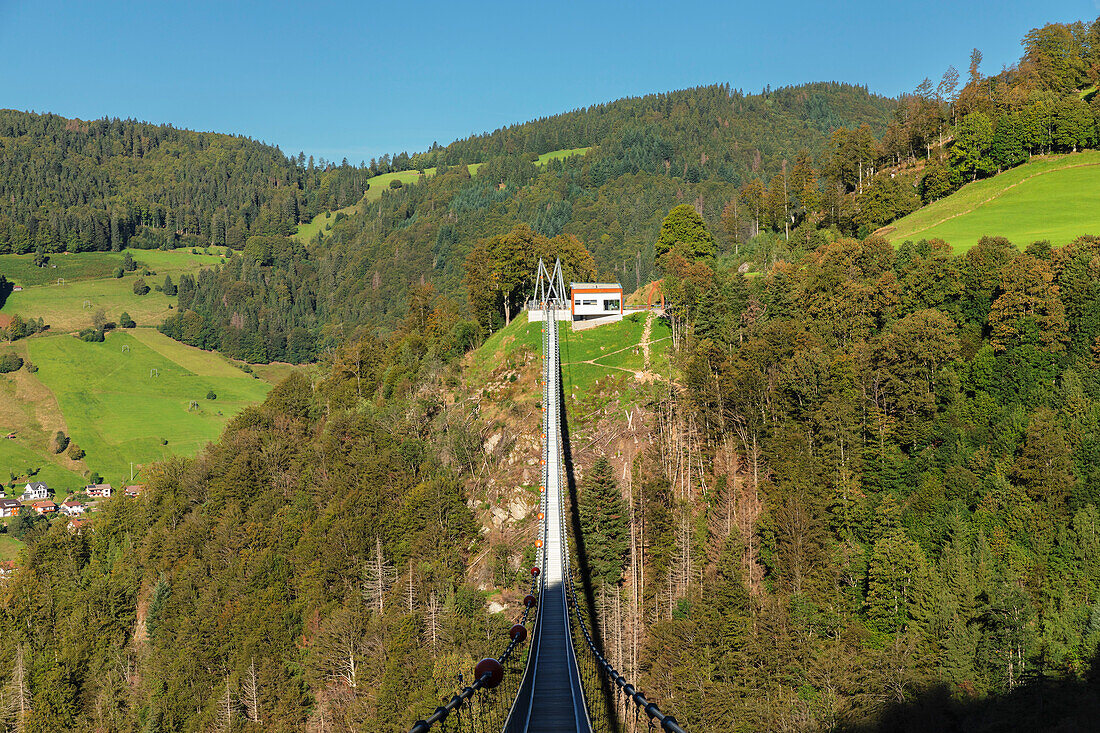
645, 341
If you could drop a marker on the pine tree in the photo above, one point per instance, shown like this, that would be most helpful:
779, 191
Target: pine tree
603, 521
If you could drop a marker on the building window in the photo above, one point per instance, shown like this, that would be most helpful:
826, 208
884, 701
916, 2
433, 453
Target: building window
588, 302
611, 305
576, 302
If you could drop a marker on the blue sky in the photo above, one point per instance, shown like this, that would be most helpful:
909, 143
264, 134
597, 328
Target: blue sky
358, 79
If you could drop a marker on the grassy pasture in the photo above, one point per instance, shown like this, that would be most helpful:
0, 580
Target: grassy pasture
30, 412
21, 270
63, 306
559, 155
1056, 198
611, 349
117, 412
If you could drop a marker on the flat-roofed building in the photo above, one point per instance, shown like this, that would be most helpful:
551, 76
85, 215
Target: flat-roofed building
596, 300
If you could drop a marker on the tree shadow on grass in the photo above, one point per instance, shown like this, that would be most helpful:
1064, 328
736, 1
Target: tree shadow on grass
1048, 705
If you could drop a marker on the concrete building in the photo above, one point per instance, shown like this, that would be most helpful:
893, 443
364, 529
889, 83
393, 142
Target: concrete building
596, 300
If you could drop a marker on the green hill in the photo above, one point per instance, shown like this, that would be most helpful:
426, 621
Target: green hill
1055, 198
121, 398
324, 221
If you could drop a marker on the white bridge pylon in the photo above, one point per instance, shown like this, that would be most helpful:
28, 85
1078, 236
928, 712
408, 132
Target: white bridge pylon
550, 292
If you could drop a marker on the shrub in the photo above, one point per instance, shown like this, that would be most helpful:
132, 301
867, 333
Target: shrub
119, 272
125, 320
211, 396
60, 442
75, 452
91, 335
31, 367
396, 183
140, 288
10, 362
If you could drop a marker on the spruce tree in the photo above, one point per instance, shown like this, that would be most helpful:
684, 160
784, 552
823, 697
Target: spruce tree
603, 521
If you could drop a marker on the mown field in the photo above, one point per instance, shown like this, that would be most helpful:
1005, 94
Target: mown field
89, 284
1054, 198
142, 403
100, 396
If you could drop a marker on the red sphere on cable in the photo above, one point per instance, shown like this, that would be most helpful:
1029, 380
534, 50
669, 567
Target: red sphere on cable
518, 633
535, 570
529, 600
495, 670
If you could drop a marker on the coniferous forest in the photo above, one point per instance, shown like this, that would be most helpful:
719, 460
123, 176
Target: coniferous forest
868, 499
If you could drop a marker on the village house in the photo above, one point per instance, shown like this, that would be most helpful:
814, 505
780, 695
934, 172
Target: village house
78, 524
72, 507
98, 491
36, 490
133, 491
7, 568
44, 507
10, 507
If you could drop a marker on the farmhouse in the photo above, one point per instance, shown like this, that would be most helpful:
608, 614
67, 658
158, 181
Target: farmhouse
98, 491
43, 507
72, 508
10, 507
18, 289
36, 490
78, 524
596, 300
132, 491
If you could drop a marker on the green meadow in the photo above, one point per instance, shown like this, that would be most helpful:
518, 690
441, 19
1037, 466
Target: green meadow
611, 349
88, 284
1054, 198
142, 403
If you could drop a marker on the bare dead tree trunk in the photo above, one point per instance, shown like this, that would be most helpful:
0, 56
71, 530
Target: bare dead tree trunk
378, 578
432, 629
252, 693
17, 700
226, 706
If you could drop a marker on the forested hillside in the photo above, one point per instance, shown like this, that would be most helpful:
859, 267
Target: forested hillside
263, 572
647, 154
74, 185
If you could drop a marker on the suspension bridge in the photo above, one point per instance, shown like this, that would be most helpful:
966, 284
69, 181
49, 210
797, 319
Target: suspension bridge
563, 683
